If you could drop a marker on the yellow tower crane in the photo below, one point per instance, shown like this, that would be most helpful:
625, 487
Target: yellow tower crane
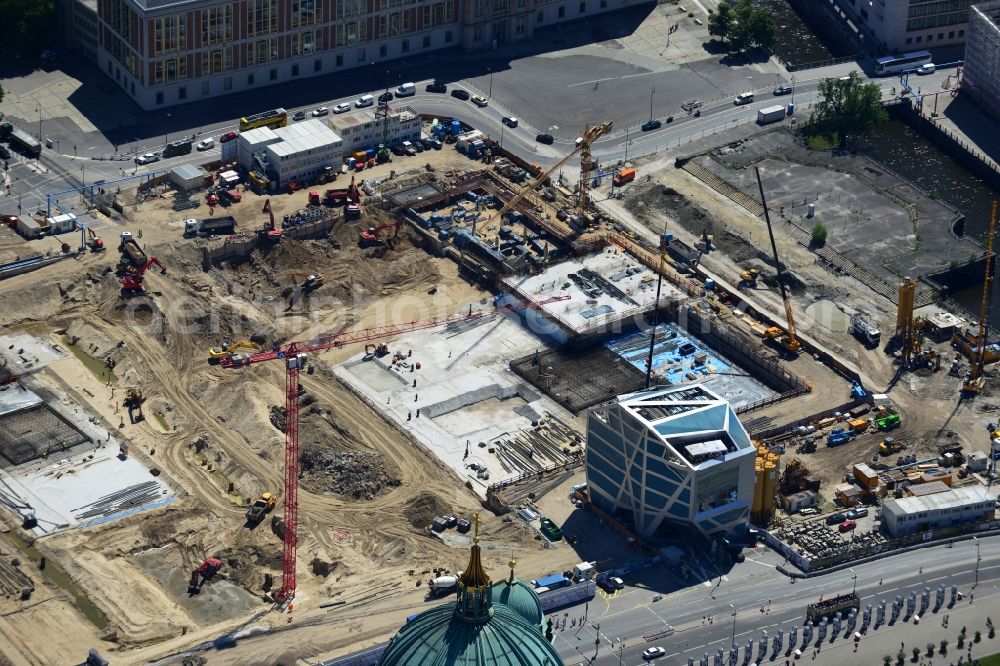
975, 380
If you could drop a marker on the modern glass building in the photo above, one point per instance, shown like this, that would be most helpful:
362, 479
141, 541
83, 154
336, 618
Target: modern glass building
670, 459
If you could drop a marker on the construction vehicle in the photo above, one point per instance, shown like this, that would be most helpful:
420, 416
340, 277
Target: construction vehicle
314, 281
749, 278
133, 256
205, 572
133, 402
890, 445
372, 235
865, 330
230, 348
270, 230
88, 239
975, 380
260, 508
787, 339
623, 176
213, 226
887, 422
839, 436
295, 355
132, 282
375, 351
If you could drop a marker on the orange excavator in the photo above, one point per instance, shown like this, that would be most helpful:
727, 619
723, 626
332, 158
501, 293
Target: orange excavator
205, 572
270, 230
132, 282
372, 235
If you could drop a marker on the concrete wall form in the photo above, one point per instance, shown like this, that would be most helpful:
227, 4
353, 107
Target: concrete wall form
239, 247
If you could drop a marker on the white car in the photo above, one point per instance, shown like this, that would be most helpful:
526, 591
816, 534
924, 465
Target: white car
206, 144
479, 100
653, 653
342, 108
927, 68
321, 111
148, 158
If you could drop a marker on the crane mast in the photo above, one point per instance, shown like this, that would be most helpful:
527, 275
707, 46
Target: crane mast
789, 341
975, 380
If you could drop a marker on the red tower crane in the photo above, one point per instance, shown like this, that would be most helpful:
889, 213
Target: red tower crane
294, 355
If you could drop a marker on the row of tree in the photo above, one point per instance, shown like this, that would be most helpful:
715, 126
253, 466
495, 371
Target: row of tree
743, 26
28, 26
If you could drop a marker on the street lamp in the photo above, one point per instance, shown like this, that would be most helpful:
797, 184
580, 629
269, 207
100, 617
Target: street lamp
38, 107
793, 89
166, 135
978, 558
490, 68
502, 127
854, 589
733, 639
651, 92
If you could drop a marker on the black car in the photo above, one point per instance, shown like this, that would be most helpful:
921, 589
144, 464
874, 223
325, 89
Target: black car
458, 93
436, 144
651, 125
607, 586
397, 149
419, 147
783, 89
425, 143
299, 115
436, 87
385, 97
545, 138
835, 519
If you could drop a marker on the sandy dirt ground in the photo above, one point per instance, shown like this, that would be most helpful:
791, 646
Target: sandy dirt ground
215, 436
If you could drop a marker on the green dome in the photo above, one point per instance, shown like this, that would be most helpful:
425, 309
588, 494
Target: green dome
441, 637
520, 598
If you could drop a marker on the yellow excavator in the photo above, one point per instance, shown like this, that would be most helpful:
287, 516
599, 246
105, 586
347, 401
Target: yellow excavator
227, 349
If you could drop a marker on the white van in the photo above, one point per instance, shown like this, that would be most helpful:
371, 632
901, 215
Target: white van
406, 90
743, 98
364, 100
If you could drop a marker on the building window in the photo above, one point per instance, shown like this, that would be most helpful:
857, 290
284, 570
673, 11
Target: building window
940, 36
348, 8
405, 46
427, 41
216, 24
382, 51
274, 75
216, 61
159, 97
318, 65
204, 87
250, 79
562, 12
262, 16
361, 55
961, 33
930, 37
295, 70
447, 37
170, 70
262, 51
604, 4
169, 34
540, 17
182, 92
305, 43
477, 34
583, 7
480, 8
909, 40
951, 34
227, 83
919, 39
519, 26
499, 6
350, 33
306, 12
340, 60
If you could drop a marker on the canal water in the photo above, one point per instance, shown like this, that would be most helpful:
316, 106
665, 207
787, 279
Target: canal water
797, 42
903, 150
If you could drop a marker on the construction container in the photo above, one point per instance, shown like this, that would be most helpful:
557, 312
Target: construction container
858, 425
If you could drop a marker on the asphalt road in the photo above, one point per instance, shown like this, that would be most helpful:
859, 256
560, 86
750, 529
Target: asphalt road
755, 584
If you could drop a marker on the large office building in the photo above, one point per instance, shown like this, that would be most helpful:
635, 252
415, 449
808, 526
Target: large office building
297, 153
167, 52
981, 77
909, 25
671, 459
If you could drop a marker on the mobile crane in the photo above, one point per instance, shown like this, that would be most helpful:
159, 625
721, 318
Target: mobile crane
786, 339
975, 380
132, 282
294, 355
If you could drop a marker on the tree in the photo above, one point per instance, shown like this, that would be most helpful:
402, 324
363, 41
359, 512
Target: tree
847, 107
886, 660
27, 24
720, 22
930, 649
819, 234
944, 646
978, 636
916, 654
762, 31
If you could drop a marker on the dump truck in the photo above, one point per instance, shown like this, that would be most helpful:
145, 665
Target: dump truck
260, 508
212, 226
830, 607
623, 176
771, 114
131, 252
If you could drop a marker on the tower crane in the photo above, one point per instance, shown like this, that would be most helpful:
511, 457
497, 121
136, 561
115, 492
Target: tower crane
975, 380
294, 355
786, 339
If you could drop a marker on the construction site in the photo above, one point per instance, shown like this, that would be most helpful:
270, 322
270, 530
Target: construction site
294, 408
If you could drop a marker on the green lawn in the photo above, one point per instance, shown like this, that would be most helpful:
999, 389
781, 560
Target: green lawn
992, 660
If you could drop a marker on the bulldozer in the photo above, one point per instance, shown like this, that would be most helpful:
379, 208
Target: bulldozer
749, 278
230, 348
260, 508
133, 401
890, 445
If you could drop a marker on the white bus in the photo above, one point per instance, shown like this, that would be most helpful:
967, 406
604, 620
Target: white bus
897, 63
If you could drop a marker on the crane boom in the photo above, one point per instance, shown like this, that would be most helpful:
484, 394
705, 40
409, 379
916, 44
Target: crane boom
974, 382
294, 354
791, 341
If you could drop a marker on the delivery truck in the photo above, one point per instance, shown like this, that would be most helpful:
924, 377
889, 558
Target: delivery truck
771, 114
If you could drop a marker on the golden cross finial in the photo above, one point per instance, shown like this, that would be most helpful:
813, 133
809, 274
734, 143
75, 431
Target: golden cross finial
475, 520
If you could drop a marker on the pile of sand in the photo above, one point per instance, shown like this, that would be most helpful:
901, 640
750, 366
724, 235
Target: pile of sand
422, 509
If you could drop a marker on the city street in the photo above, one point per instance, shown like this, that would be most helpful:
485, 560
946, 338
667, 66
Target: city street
702, 616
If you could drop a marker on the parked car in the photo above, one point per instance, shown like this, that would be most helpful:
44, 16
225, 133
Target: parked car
436, 87
835, 518
860, 512
509, 121
385, 97
321, 111
650, 125
653, 653
148, 158
808, 511
927, 68
847, 526
397, 149
606, 585
343, 107
206, 144
299, 115
617, 582
783, 89
419, 147
409, 149
436, 144
458, 93
480, 101
743, 98
228, 136
428, 145
547, 139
